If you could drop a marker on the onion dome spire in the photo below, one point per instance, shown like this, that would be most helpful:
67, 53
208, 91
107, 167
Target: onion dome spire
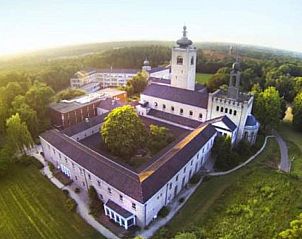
184, 42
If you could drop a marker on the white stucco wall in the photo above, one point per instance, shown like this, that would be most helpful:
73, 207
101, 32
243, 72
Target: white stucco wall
177, 106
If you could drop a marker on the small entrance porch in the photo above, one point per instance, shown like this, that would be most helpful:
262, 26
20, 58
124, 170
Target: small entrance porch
119, 215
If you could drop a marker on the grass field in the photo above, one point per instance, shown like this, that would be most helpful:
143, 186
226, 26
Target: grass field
31, 207
254, 202
293, 139
202, 78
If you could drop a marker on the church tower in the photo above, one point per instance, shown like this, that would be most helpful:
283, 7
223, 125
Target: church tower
183, 63
146, 65
234, 84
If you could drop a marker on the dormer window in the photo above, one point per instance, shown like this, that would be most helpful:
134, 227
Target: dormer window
179, 60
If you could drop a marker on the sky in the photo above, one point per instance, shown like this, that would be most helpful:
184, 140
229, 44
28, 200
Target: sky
27, 25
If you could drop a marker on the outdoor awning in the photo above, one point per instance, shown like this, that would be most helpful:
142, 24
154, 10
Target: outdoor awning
118, 209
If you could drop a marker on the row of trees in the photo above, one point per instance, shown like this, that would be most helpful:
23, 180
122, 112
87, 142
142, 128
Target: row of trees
23, 115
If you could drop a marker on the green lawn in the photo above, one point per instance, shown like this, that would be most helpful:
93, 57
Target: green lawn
254, 202
31, 207
202, 78
293, 139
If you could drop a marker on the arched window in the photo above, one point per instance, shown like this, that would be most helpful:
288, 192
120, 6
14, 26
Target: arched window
221, 109
226, 110
179, 60
172, 108
230, 111
217, 108
192, 60
164, 106
181, 111
235, 112
191, 113
200, 116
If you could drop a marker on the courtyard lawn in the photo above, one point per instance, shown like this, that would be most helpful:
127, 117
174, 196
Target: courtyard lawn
253, 202
31, 207
202, 78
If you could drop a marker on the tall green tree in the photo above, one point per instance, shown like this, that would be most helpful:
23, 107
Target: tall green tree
11, 91
222, 152
18, 136
123, 131
267, 107
138, 83
297, 112
38, 97
27, 114
221, 77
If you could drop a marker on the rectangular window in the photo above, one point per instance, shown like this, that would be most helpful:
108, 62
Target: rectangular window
121, 198
184, 169
235, 112
217, 108
134, 206
200, 116
170, 186
191, 112
109, 190
172, 108
99, 183
176, 178
89, 176
226, 110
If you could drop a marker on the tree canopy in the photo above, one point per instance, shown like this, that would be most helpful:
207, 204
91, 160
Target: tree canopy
18, 136
267, 107
297, 112
159, 138
123, 131
68, 94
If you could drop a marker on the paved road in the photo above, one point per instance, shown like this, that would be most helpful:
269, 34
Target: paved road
285, 164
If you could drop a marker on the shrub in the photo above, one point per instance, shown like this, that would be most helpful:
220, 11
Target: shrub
37, 163
164, 211
66, 192
77, 190
95, 204
181, 200
162, 233
195, 179
51, 167
71, 204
